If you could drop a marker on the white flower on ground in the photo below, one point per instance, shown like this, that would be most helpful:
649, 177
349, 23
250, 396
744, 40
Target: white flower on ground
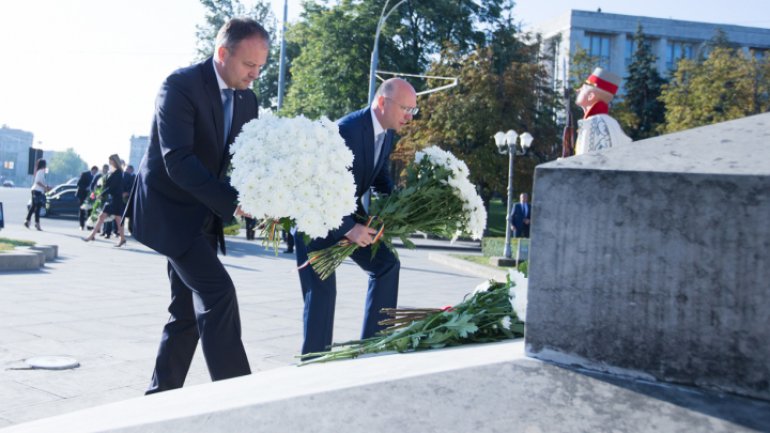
483, 287
506, 322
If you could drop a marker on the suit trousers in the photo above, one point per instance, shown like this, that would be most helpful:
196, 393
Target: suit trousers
320, 295
203, 306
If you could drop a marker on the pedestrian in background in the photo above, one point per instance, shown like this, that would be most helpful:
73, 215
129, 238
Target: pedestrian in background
112, 194
39, 188
84, 184
521, 216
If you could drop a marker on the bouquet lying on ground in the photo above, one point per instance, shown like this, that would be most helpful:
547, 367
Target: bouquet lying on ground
485, 316
293, 171
438, 199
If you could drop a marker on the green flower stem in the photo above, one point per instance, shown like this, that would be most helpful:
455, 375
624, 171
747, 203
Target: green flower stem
475, 320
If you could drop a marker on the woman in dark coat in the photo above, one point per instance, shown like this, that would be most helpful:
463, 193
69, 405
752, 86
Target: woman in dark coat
112, 195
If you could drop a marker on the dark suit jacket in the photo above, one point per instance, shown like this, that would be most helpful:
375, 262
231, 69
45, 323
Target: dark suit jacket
181, 190
518, 217
83, 183
128, 181
357, 130
112, 193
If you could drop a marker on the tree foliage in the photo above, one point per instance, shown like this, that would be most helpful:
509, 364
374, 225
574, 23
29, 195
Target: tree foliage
64, 166
727, 85
641, 111
330, 75
582, 65
500, 87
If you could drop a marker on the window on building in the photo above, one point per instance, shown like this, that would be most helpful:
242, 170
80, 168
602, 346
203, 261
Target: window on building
631, 48
598, 46
676, 51
759, 53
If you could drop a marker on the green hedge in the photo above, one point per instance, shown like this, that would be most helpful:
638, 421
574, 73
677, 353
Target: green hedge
493, 247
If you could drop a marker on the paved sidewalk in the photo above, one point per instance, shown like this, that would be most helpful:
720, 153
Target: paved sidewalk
106, 306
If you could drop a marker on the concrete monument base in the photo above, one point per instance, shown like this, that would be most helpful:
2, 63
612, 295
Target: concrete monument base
483, 388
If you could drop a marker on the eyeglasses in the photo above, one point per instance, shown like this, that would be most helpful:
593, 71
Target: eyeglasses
409, 110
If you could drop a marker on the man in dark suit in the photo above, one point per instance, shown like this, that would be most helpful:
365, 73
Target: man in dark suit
84, 183
128, 181
369, 135
182, 196
521, 216
95, 181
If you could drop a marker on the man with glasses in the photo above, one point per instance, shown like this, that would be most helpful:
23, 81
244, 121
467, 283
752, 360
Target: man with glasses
369, 135
598, 130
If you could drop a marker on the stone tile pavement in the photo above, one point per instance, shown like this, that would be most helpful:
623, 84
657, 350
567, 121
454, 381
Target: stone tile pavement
106, 306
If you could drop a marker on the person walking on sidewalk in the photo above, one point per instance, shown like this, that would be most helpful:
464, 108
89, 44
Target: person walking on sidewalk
182, 194
39, 188
112, 194
82, 193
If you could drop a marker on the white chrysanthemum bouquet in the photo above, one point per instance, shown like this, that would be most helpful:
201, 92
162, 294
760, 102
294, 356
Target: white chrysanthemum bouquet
293, 171
438, 199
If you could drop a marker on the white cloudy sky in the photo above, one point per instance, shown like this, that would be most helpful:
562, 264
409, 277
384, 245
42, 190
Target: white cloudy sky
84, 73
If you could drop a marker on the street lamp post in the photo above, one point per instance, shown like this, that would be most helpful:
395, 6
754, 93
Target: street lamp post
375, 51
282, 65
506, 143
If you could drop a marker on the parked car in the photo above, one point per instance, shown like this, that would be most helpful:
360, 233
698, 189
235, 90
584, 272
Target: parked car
59, 188
63, 203
8, 184
59, 203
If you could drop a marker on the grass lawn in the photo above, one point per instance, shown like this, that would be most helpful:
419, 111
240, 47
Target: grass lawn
496, 218
9, 244
479, 260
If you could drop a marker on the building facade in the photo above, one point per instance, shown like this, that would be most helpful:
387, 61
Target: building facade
609, 38
14, 155
139, 145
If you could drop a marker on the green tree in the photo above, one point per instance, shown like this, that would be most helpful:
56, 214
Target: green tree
719, 40
219, 12
641, 111
330, 76
582, 65
64, 166
727, 85
464, 119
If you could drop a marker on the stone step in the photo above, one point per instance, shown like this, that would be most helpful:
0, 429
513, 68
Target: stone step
486, 388
21, 259
51, 251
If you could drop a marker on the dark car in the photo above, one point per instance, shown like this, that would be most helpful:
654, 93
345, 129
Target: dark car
8, 183
62, 203
59, 188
